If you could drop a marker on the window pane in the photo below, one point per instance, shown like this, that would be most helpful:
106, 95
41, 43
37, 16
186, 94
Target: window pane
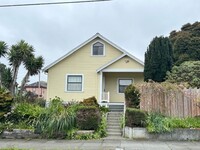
125, 82
74, 87
74, 83
98, 44
97, 49
122, 89
74, 78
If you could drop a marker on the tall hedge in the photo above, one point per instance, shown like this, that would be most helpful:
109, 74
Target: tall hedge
88, 118
135, 117
132, 97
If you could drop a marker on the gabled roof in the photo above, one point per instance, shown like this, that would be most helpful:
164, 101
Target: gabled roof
113, 61
97, 35
36, 84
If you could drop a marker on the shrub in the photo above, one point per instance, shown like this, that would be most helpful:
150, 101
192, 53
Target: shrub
25, 112
104, 109
135, 117
132, 97
91, 101
101, 131
31, 98
157, 123
5, 102
55, 121
185, 122
88, 118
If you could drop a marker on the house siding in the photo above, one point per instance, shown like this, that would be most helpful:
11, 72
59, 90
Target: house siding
125, 63
80, 62
112, 83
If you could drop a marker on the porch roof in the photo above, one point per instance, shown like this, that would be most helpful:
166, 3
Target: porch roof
103, 68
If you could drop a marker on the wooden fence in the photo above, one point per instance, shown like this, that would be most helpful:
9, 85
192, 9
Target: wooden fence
184, 103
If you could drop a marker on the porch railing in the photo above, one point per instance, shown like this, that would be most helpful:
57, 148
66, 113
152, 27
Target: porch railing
105, 99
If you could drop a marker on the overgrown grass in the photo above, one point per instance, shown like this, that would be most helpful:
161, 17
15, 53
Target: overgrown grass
13, 149
157, 123
55, 120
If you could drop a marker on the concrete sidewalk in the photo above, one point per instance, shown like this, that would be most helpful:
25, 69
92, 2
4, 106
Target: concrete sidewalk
103, 144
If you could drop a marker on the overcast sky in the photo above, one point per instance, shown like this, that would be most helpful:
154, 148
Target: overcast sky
55, 30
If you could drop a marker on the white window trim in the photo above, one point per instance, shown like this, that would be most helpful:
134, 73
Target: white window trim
74, 91
104, 49
122, 79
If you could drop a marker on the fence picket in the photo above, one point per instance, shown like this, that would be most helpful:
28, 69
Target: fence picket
182, 104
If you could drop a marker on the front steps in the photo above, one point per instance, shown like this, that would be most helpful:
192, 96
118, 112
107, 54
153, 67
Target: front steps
113, 125
116, 108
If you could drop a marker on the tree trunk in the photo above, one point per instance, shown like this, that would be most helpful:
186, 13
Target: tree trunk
14, 79
24, 81
0, 81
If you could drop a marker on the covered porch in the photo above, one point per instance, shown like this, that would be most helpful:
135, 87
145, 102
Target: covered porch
113, 84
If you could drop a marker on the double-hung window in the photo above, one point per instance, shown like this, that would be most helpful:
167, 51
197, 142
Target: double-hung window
98, 49
74, 83
123, 83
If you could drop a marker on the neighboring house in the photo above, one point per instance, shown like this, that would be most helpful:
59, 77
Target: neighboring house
97, 68
39, 89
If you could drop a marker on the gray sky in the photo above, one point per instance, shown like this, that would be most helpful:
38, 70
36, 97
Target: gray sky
131, 24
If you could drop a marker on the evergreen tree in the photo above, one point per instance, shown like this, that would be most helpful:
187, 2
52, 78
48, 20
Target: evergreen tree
158, 59
187, 72
186, 43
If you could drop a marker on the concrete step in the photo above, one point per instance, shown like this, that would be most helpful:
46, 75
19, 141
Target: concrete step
113, 138
113, 121
114, 115
117, 130
114, 133
116, 110
114, 127
110, 124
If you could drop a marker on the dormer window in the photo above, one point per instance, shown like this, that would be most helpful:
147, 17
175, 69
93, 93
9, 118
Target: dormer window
98, 49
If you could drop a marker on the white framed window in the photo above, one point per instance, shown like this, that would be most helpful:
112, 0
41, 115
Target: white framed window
74, 83
123, 83
98, 49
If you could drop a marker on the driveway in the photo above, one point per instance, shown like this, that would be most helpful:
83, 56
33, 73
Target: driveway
103, 144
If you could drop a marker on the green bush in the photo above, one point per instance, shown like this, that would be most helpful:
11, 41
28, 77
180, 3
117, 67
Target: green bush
185, 122
55, 121
132, 97
135, 117
25, 112
91, 101
157, 123
31, 98
101, 131
104, 109
88, 118
5, 102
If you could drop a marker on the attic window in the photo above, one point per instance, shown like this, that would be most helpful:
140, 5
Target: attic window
98, 49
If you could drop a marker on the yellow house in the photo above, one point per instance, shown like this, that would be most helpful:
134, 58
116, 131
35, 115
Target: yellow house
97, 67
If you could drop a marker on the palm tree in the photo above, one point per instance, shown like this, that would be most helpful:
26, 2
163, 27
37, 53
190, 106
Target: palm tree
33, 66
3, 51
3, 48
17, 54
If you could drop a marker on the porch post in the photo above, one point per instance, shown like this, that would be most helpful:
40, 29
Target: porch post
100, 88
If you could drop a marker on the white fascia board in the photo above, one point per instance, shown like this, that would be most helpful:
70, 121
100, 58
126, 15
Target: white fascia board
123, 70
